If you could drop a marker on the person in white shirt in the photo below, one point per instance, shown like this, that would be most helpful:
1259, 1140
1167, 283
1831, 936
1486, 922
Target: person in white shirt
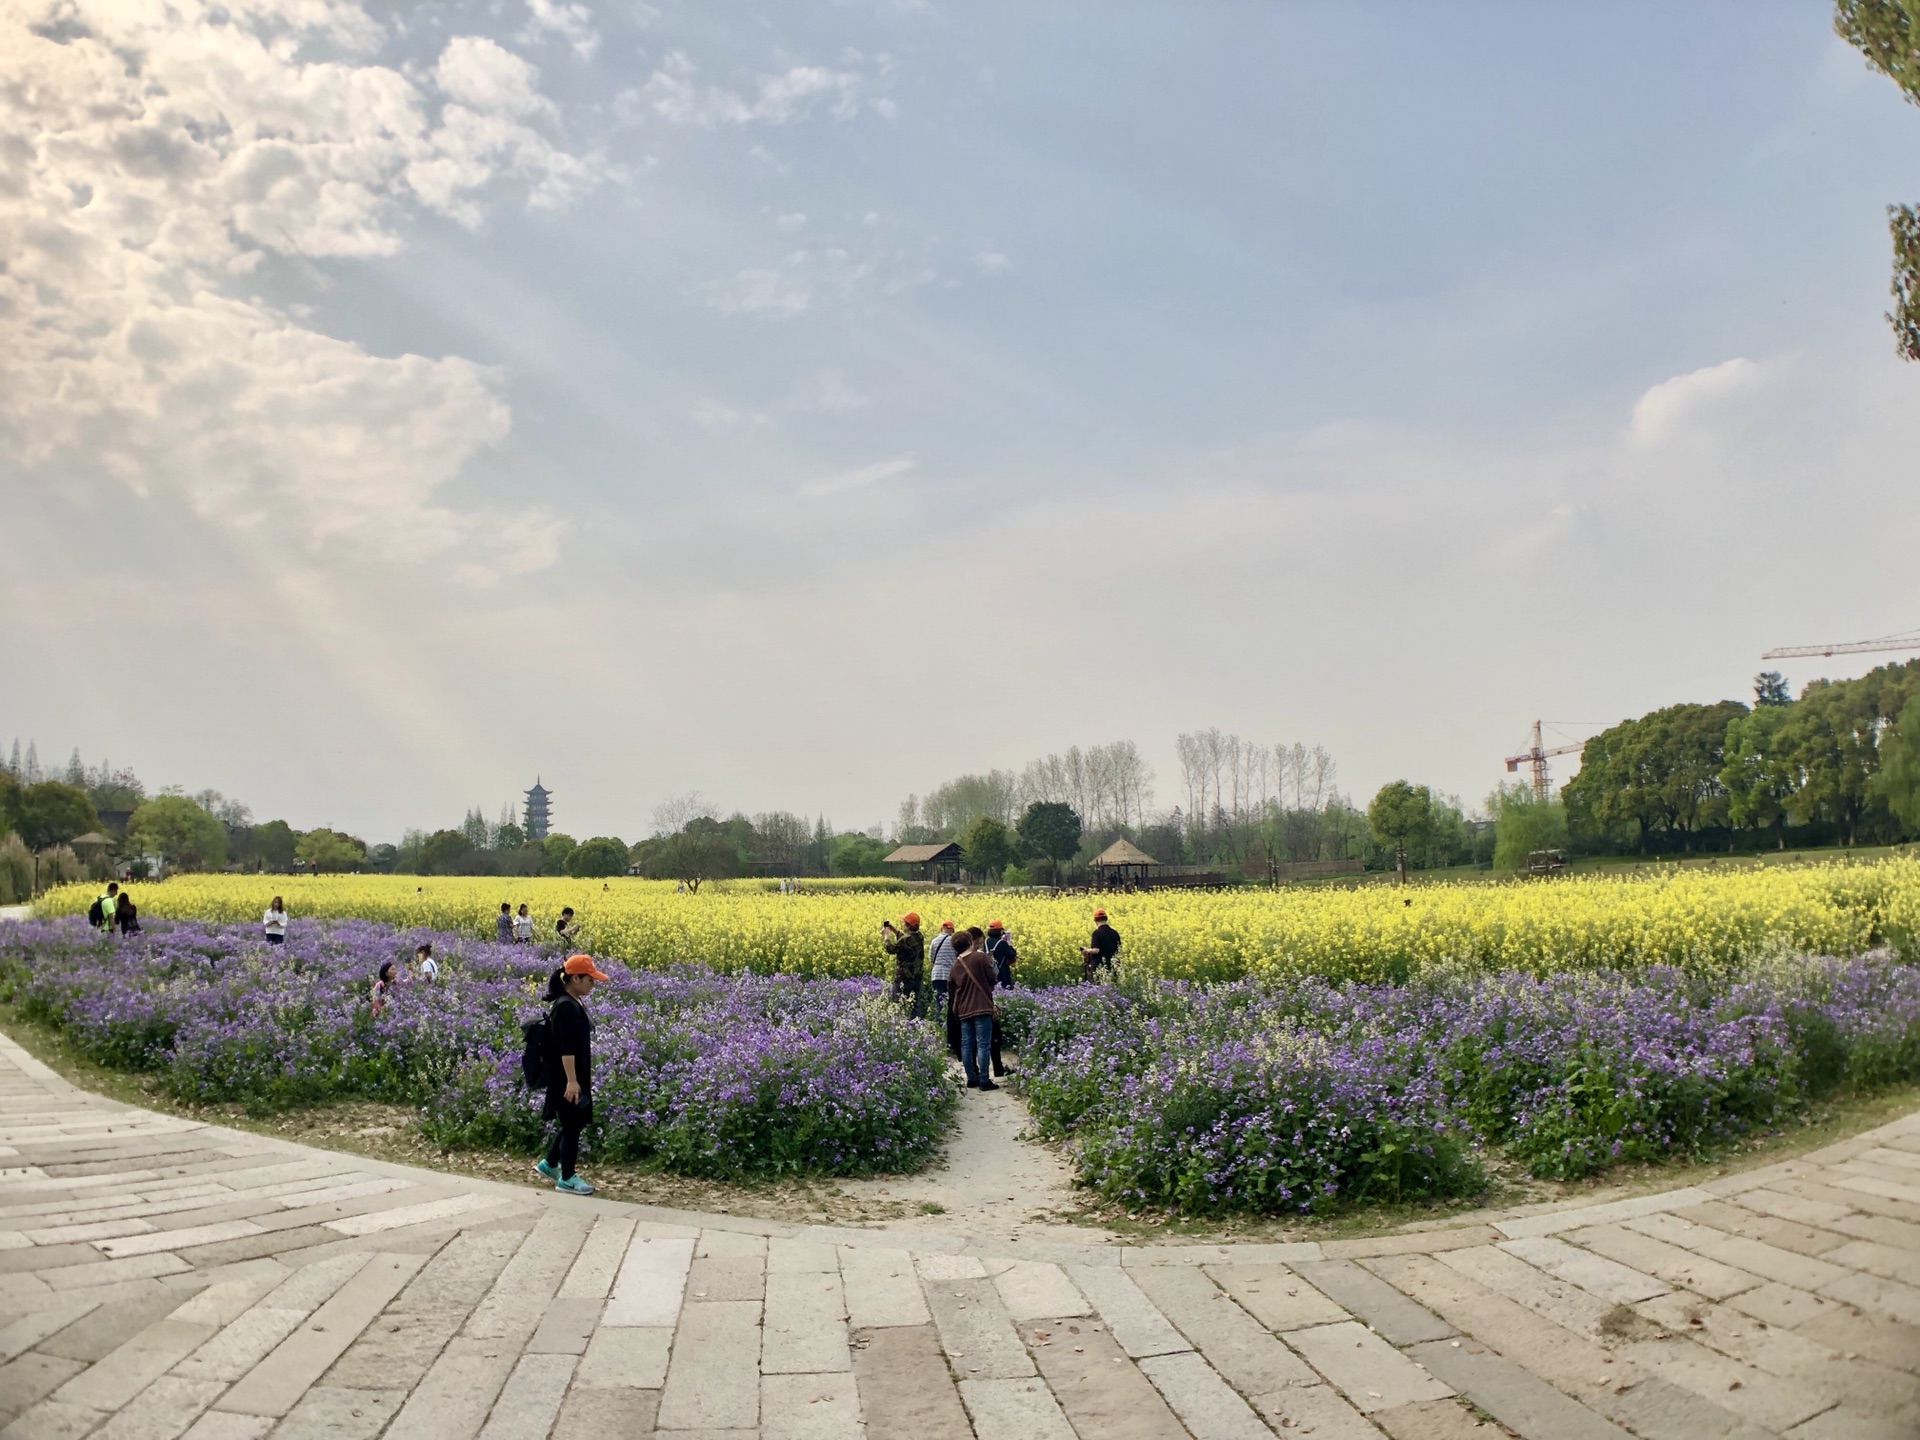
942, 957
424, 966
522, 926
274, 922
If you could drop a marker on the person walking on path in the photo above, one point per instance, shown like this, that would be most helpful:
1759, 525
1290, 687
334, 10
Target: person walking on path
1101, 948
274, 923
503, 924
522, 926
909, 949
569, 1071
972, 1001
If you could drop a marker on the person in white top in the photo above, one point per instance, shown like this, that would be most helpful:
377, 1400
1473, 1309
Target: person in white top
274, 922
522, 926
942, 958
424, 966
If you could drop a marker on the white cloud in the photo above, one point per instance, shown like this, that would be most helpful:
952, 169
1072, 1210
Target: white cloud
827, 393
160, 152
759, 292
1673, 404
675, 94
864, 478
991, 262
788, 224
571, 22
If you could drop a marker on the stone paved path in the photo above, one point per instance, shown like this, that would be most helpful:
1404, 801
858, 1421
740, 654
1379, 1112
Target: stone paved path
161, 1278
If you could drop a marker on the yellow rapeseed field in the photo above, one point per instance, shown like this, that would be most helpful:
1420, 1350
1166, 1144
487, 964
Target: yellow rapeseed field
1694, 917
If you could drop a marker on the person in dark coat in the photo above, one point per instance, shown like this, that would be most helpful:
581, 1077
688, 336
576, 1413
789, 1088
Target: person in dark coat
569, 1070
1000, 950
1101, 948
971, 996
909, 950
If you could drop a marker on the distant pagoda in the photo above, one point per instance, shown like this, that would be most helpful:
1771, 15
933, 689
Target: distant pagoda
539, 821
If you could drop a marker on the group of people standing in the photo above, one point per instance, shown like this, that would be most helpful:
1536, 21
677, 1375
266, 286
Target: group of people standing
968, 966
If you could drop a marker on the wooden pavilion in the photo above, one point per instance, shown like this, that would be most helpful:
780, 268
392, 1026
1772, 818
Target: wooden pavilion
935, 861
1123, 863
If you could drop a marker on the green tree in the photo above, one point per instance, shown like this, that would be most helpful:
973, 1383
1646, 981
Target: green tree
1770, 688
1830, 742
986, 848
1887, 32
1897, 783
273, 844
556, 849
857, 854
179, 832
330, 851
598, 858
509, 837
1660, 772
1050, 830
12, 795
1757, 773
1401, 815
1524, 824
52, 813
444, 852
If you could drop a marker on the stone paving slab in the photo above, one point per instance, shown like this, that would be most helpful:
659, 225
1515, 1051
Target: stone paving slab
162, 1278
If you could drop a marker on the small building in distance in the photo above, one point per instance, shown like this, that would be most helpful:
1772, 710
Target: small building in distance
936, 862
1123, 863
539, 815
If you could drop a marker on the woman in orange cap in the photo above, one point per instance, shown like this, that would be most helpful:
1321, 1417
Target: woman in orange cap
569, 1070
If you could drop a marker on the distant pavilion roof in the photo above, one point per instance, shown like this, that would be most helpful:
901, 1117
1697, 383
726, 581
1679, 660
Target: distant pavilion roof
1124, 852
923, 854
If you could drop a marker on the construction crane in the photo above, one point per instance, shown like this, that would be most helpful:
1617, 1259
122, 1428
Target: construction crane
1905, 640
1536, 756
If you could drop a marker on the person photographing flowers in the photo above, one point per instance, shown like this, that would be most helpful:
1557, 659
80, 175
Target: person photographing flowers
569, 1070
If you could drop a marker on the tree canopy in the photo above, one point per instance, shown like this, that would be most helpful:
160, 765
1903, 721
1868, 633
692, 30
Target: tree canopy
179, 832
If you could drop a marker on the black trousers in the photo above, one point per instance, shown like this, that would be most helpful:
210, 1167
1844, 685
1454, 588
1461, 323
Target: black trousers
564, 1153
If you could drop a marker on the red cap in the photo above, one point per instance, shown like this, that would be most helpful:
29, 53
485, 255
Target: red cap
1099, 914
583, 965
995, 925
946, 924
912, 917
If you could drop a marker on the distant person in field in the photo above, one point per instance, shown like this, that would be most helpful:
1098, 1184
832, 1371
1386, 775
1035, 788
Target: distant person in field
425, 967
972, 1001
383, 984
569, 1071
503, 924
274, 923
128, 914
566, 927
100, 913
909, 951
1101, 948
522, 926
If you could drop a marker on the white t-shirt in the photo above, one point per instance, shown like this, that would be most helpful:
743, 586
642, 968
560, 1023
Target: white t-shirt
429, 970
523, 927
275, 922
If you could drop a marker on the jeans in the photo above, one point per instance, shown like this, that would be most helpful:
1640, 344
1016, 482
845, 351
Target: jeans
940, 988
976, 1039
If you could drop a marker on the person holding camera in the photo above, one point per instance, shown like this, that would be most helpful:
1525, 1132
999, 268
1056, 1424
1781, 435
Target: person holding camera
909, 951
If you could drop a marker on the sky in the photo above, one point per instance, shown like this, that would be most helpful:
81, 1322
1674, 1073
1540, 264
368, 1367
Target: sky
806, 404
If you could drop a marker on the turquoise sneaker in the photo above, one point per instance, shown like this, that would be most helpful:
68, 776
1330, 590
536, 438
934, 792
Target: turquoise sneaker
573, 1185
546, 1171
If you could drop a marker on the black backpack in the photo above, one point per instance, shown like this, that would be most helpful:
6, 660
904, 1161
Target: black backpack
538, 1035
96, 914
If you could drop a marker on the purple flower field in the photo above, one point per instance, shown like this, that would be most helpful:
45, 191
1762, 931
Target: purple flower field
1300, 1094
718, 1075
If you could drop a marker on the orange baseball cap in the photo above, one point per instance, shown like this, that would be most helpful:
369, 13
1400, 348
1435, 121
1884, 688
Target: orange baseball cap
995, 925
946, 924
912, 917
583, 965
1099, 914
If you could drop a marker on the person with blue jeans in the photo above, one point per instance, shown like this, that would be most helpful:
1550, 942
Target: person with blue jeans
970, 993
